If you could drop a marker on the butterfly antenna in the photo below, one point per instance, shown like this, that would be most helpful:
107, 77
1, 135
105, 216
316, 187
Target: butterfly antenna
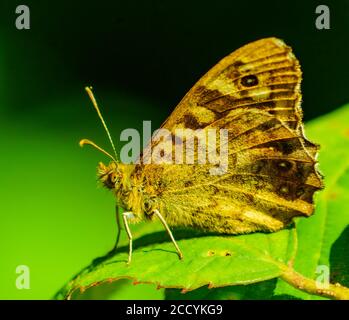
95, 105
91, 143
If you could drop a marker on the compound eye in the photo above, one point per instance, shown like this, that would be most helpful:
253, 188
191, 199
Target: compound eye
113, 178
110, 181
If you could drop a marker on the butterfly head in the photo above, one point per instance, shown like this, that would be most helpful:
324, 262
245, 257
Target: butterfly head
116, 177
109, 175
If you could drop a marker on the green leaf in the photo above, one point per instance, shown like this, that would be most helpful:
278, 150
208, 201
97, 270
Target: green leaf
245, 259
323, 238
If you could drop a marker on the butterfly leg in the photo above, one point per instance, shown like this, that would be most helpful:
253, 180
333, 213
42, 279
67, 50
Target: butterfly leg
117, 216
163, 221
125, 216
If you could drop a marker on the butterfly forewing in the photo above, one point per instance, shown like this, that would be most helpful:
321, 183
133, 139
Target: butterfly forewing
263, 74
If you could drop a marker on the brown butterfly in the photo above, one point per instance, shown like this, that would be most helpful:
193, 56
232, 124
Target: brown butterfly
254, 94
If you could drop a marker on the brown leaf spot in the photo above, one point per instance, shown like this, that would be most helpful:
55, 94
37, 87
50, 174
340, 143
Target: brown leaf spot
332, 196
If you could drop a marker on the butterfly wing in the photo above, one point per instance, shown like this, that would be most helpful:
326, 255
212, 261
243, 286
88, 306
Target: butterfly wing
263, 74
254, 93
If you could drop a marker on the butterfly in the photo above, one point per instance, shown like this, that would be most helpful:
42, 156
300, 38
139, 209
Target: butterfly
254, 94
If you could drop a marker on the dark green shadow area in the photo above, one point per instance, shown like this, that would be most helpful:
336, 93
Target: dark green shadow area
161, 237
339, 262
120, 290
258, 291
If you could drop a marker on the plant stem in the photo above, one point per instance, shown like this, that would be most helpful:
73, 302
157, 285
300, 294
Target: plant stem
334, 291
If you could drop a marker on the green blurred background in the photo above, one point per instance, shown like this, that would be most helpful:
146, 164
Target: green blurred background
141, 57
